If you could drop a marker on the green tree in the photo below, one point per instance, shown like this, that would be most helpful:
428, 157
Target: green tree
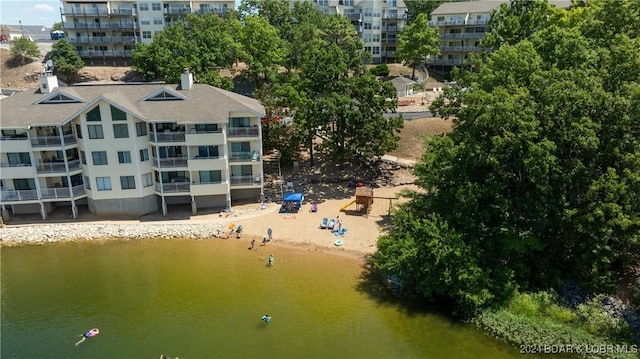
261, 48
204, 44
57, 26
539, 181
518, 20
417, 41
66, 59
23, 50
417, 7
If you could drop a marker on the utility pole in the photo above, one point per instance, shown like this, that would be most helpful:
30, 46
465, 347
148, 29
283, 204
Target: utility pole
21, 29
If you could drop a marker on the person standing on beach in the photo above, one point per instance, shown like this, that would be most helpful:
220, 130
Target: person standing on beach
253, 243
270, 259
269, 233
339, 223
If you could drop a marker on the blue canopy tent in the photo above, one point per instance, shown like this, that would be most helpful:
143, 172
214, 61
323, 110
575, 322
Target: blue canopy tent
292, 203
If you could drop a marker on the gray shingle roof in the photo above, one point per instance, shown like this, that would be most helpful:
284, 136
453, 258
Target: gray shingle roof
203, 103
483, 6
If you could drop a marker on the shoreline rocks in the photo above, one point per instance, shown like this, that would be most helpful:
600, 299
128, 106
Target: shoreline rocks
52, 233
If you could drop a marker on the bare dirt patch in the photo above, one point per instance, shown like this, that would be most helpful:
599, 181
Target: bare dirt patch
414, 133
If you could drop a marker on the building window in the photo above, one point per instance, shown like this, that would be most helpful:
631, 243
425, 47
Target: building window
78, 131
124, 156
94, 114
127, 182
157, 21
367, 26
103, 183
145, 21
83, 157
95, 131
210, 177
208, 151
99, 158
147, 180
141, 129
144, 155
206, 128
143, 6
146, 34
87, 183
117, 114
376, 50
19, 158
120, 131
155, 6
440, 18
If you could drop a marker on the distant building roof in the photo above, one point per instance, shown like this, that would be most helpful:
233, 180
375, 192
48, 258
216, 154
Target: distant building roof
483, 6
401, 80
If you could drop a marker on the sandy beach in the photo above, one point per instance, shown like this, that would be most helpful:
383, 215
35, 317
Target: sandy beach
301, 230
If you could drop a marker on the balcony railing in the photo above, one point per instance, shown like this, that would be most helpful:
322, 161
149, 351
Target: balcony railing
243, 156
167, 136
389, 40
354, 17
171, 10
173, 187
206, 157
171, 162
62, 192
245, 180
19, 195
460, 49
57, 167
18, 137
104, 53
49, 141
85, 11
446, 62
465, 35
15, 165
125, 12
393, 15
243, 131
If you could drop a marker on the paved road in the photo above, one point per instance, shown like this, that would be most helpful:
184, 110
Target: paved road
410, 115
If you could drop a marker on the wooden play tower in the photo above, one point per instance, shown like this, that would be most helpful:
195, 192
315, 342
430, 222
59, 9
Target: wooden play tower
364, 200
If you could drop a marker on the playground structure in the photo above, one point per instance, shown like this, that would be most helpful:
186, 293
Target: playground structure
364, 201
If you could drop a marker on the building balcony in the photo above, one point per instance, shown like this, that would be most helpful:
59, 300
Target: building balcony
446, 23
460, 49
389, 41
244, 156
16, 137
174, 10
446, 62
23, 195
176, 187
85, 11
394, 16
123, 12
104, 53
354, 17
243, 131
58, 167
465, 35
178, 136
62, 192
53, 141
390, 29
252, 180
170, 162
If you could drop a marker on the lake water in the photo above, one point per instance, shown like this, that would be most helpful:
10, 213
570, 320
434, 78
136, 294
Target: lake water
204, 299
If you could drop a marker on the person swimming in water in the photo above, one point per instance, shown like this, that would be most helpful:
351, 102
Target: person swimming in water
266, 318
91, 333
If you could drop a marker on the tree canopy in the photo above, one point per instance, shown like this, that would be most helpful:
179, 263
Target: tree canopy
23, 50
417, 41
539, 182
66, 59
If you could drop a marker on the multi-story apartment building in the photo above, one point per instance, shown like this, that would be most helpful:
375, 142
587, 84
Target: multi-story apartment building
128, 149
377, 21
105, 31
462, 24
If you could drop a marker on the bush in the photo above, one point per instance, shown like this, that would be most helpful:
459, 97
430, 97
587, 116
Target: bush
380, 70
23, 50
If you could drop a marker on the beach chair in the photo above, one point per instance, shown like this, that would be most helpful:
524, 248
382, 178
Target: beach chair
331, 224
314, 207
323, 225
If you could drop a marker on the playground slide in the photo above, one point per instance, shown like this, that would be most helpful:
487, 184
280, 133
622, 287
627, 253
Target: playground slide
347, 205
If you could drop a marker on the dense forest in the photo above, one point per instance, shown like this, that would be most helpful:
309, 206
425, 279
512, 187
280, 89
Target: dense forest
539, 182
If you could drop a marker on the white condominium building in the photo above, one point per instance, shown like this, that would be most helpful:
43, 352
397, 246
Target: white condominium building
105, 31
376, 21
462, 24
128, 149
